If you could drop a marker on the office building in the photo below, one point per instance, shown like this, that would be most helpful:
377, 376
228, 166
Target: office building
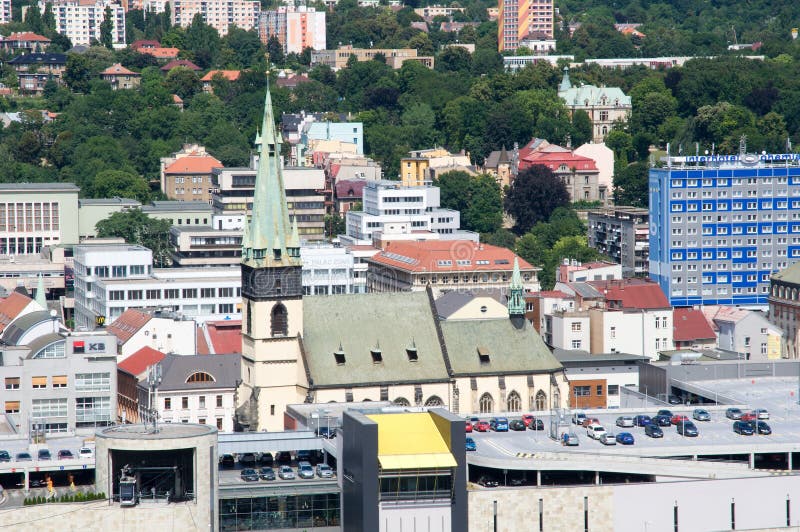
720, 226
296, 27
81, 21
34, 215
93, 210
622, 234
218, 14
180, 212
518, 19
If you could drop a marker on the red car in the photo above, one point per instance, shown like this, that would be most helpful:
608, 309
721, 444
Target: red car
468, 426
677, 418
749, 416
527, 418
590, 421
482, 426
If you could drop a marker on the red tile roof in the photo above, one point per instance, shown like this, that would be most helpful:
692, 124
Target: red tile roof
11, 306
446, 256
161, 53
176, 99
632, 294
350, 188
138, 45
202, 344
128, 324
690, 324
180, 63
230, 75
292, 81
26, 36
118, 70
555, 159
550, 293
224, 337
193, 164
137, 363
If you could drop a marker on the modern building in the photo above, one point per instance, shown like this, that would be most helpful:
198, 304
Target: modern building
622, 234
437, 11
720, 226
420, 167
395, 57
444, 266
180, 212
186, 175
296, 27
329, 270
783, 308
604, 105
595, 380
47, 269
517, 20
81, 21
219, 14
120, 77
349, 132
36, 69
93, 210
164, 331
205, 246
572, 271
35, 215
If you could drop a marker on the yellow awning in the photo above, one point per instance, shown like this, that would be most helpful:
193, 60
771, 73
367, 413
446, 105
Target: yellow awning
408, 433
417, 461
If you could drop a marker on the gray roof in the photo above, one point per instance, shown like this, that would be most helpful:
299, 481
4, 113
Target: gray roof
226, 370
450, 302
168, 205
362, 321
39, 187
43, 341
566, 356
510, 350
108, 201
790, 275
585, 290
14, 332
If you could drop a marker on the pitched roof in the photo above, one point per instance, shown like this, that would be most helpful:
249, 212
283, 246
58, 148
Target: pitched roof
142, 43
350, 188
724, 313
180, 63
583, 94
128, 324
118, 70
194, 164
225, 370
176, 99
292, 81
555, 159
201, 342
25, 36
223, 337
39, 59
230, 75
638, 294
690, 324
446, 256
11, 307
450, 302
161, 53
549, 293
138, 362
790, 275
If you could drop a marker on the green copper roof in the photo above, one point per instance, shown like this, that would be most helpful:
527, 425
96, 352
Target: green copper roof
270, 240
516, 299
565, 83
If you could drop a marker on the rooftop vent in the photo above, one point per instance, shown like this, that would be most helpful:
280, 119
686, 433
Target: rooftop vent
339, 355
411, 351
483, 355
377, 356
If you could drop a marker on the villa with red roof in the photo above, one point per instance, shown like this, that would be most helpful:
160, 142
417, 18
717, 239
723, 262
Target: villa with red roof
24, 41
187, 174
580, 174
230, 75
136, 329
185, 63
120, 77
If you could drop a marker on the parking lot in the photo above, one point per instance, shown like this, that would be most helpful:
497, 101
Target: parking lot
232, 474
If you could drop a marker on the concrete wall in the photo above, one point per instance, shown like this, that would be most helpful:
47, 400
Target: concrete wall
359, 465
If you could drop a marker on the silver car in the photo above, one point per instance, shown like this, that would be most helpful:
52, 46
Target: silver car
701, 415
608, 439
624, 421
324, 471
304, 470
761, 413
286, 473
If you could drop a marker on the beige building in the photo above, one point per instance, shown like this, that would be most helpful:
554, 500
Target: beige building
395, 57
421, 167
218, 14
120, 77
187, 174
604, 105
93, 210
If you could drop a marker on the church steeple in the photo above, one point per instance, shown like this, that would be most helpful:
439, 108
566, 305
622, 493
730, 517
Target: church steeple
516, 299
269, 241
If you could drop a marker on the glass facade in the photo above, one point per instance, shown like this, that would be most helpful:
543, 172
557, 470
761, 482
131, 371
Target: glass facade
279, 512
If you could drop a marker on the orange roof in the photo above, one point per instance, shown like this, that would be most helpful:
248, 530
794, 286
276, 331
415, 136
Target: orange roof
230, 75
193, 164
26, 36
632, 293
11, 306
118, 70
128, 324
137, 363
224, 337
446, 256
176, 99
161, 53
202, 344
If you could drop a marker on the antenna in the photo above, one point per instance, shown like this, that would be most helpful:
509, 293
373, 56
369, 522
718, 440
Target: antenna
743, 145
154, 377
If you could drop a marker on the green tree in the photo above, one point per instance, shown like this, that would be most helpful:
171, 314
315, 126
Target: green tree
534, 195
116, 183
183, 82
33, 18
107, 28
49, 19
138, 228
477, 197
581, 128
631, 185
502, 237
202, 41
77, 74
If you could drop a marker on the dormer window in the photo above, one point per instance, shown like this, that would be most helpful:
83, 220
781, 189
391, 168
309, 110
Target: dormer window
483, 355
377, 355
411, 352
338, 355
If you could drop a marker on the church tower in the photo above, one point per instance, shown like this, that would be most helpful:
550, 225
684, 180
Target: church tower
272, 295
516, 298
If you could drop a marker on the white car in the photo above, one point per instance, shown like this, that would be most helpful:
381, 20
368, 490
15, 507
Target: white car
595, 431
86, 453
761, 413
624, 421
608, 439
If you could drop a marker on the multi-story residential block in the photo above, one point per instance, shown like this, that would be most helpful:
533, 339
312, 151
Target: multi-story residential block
23, 41
623, 234
421, 167
34, 215
36, 69
720, 226
120, 77
604, 105
109, 279
568, 329
187, 174
395, 57
5, 11
234, 189
329, 270
93, 210
164, 331
58, 382
747, 332
438, 10
517, 20
296, 27
81, 21
219, 14
445, 266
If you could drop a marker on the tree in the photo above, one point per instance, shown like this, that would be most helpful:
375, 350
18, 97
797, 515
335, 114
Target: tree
49, 19
477, 198
581, 128
77, 74
106, 29
202, 41
115, 183
33, 18
534, 195
138, 228
183, 82
275, 51
631, 185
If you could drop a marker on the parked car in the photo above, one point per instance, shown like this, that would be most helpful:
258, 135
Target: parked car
88, 453
700, 414
266, 473
625, 438
661, 421
578, 417
761, 427
641, 420
687, 428
305, 470
468, 426
65, 454
674, 400
677, 418
527, 418
249, 475
590, 421
470, 445
536, 424
23, 457
743, 428
482, 426
595, 431
247, 460
665, 412
653, 430
44, 454
748, 416
286, 473
267, 459
283, 457
517, 424
226, 460
303, 456
624, 421
733, 413
569, 439
608, 439
4, 456
324, 471
474, 420
487, 482
761, 413
498, 424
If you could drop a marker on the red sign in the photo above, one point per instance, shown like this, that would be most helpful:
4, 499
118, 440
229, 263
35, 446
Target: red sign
79, 346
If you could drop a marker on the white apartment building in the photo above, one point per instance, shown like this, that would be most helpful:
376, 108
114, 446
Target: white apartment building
643, 332
296, 27
163, 331
109, 279
5, 11
329, 269
81, 22
568, 330
219, 14
391, 207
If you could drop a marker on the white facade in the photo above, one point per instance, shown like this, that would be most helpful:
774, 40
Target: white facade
328, 270
207, 407
5, 11
218, 14
569, 330
168, 335
616, 376
81, 22
636, 332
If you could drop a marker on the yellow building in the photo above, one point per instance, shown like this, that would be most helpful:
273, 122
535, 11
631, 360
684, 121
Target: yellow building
422, 166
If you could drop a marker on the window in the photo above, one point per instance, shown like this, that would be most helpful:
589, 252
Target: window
576, 344
226, 308
219, 423
434, 400
219, 401
137, 269
134, 295
576, 326
154, 294
279, 322
92, 410
540, 402
202, 401
92, 382
207, 292
171, 293
582, 391
747, 341
226, 292
118, 271
116, 295
48, 408
59, 381
613, 389
167, 403
599, 390
190, 293
201, 376
38, 382
184, 403
12, 407
12, 383
486, 404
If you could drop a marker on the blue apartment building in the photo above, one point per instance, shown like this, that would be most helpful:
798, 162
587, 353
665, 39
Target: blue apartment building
721, 225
